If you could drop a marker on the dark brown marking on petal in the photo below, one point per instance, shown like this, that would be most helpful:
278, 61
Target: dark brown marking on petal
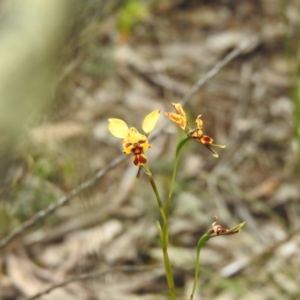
137, 150
142, 159
206, 140
135, 159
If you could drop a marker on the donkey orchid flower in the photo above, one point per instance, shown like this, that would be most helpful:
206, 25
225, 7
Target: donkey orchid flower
196, 134
133, 141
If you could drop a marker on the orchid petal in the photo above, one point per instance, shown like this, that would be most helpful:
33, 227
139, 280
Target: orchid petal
214, 153
118, 128
150, 121
145, 146
199, 122
133, 136
178, 119
206, 140
139, 159
179, 109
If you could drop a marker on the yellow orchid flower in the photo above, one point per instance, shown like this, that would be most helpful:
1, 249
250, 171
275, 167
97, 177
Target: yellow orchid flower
133, 141
196, 134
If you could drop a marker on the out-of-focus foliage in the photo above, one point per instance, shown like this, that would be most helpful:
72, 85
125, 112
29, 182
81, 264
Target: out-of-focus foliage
130, 14
31, 36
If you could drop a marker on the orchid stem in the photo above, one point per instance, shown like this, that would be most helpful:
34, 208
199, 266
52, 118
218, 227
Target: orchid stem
159, 203
201, 242
169, 201
164, 235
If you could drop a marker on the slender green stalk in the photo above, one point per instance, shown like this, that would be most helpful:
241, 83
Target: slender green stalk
201, 242
296, 98
181, 143
293, 63
164, 236
159, 203
164, 211
296, 82
160, 232
169, 273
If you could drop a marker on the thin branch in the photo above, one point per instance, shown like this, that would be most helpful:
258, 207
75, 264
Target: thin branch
249, 43
83, 186
39, 216
89, 276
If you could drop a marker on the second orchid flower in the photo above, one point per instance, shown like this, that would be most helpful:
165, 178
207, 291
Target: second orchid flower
196, 134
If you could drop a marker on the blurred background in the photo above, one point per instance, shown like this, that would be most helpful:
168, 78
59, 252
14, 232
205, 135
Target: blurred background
66, 67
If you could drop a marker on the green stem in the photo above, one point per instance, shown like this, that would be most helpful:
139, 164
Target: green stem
160, 232
293, 64
164, 236
167, 264
181, 143
169, 273
201, 242
159, 203
297, 83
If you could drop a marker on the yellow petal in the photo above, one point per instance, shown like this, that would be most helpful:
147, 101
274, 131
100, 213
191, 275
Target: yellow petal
179, 120
196, 134
127, 148
199, 122
133, 136
218, 146
118, 128
145, 146
150, 121
179, 109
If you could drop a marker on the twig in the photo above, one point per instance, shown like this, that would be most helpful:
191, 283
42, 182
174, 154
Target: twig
218, 66
88, 276
65, 199
62, 201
